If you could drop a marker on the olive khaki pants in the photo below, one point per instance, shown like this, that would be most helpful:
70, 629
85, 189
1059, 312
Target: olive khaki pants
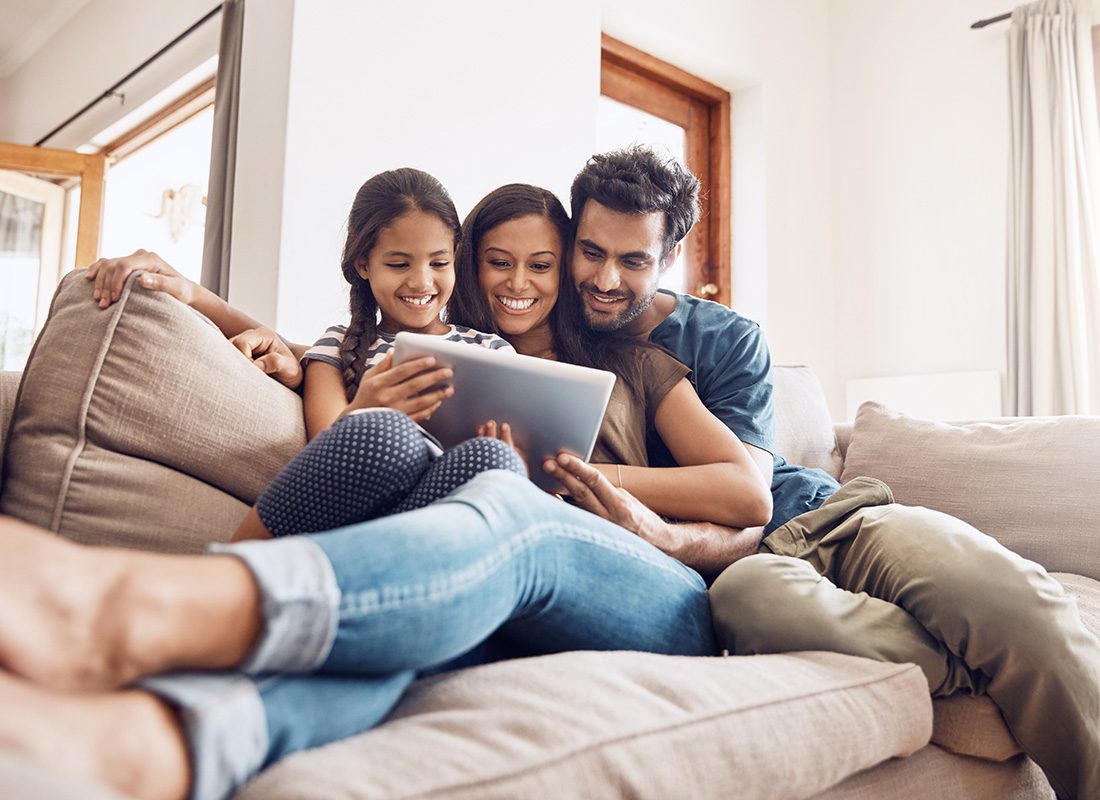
865, 576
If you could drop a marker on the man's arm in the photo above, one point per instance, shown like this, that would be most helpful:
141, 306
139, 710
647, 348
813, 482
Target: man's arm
708, 548
705, 547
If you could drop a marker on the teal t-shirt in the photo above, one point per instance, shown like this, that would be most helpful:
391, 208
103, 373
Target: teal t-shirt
731, 370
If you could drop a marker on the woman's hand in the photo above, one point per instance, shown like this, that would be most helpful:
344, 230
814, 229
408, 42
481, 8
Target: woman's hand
110, 273
263, 347
591, 490
407, 388
504, 433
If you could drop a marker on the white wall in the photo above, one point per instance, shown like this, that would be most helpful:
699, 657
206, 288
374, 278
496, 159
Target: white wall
919, 174
103, 42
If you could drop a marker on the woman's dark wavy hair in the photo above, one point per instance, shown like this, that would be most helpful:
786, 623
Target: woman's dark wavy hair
377, 205
636, 180
572, 339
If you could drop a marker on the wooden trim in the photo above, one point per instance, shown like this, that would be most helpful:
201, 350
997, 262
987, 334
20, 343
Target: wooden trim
641, 62
168, 118
90, 168
636, 78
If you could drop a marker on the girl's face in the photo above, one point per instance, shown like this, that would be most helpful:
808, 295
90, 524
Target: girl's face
411, 272
519, 269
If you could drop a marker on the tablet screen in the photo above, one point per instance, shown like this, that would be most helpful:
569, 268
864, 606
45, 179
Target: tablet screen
550, 406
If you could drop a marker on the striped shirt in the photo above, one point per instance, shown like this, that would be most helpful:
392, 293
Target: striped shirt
327, 348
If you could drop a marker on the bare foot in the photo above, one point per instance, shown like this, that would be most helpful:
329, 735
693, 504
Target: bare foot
129, 741
76, 617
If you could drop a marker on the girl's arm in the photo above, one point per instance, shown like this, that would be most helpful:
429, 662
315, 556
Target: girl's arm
404, 388
718, 480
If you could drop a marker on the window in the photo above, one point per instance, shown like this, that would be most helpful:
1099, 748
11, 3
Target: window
156, 195
649, 101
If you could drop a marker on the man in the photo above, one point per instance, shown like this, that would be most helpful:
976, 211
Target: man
843, 569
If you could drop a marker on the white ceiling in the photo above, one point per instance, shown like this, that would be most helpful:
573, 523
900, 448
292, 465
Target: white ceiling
28, 24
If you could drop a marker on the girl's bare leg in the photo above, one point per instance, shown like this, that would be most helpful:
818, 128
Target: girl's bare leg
130, 741
251, 528
77, 617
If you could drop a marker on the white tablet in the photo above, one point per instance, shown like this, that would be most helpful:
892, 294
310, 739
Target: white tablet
550, 406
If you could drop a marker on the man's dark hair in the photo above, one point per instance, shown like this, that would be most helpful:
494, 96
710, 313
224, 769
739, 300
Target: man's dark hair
638, 181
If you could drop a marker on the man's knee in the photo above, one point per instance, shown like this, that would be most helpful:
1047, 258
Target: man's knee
746, 597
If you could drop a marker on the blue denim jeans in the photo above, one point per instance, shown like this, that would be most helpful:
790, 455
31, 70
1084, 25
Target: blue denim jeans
352, 616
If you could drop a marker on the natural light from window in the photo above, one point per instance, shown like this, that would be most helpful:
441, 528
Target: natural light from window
156, 196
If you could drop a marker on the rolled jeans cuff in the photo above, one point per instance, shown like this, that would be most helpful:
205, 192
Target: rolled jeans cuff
300, 599
225, 725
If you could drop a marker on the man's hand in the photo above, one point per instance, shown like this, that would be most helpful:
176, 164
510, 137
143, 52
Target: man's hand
264, 348
110, 273
409, 387
592, 491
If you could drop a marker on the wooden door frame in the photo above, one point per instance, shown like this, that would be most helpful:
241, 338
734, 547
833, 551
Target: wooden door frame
89, 168
634, 77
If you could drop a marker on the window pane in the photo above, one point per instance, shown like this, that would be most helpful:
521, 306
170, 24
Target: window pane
20, 248
156, 196
619, 125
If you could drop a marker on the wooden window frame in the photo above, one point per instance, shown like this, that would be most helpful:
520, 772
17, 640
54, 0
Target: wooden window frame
702, 109
89, 168
167, 119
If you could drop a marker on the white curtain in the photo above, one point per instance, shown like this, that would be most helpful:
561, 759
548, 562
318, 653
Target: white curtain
1053, 203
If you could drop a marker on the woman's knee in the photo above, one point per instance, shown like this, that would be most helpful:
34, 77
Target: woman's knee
483, 453
745, 598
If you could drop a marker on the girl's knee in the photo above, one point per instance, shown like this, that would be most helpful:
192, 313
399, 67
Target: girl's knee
485, 453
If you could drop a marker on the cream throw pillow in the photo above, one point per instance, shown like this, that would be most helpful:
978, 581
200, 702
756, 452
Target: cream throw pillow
1031, 483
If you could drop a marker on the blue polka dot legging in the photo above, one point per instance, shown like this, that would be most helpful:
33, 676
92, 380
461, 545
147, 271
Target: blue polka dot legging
369, 465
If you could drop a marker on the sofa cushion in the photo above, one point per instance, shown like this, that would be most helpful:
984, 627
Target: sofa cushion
624, 725
804, 431
141, 425
1028, 482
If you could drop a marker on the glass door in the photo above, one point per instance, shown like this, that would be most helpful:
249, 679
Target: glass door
50, 209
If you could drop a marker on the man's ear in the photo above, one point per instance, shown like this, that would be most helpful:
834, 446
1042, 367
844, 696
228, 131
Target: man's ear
362, 269
673, 254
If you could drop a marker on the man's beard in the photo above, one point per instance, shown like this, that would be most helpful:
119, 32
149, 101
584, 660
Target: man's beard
613, 322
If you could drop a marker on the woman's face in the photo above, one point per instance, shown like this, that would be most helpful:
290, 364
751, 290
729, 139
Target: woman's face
519, 269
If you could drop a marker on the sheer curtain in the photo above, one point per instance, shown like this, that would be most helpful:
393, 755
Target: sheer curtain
223, 152
1054, 191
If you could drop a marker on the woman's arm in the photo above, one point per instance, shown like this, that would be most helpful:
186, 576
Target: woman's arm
263, 346
717, 481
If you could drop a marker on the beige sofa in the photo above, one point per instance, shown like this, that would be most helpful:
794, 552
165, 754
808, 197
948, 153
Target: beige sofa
141, 426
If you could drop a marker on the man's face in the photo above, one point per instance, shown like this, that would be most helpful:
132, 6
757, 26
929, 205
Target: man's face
617, 264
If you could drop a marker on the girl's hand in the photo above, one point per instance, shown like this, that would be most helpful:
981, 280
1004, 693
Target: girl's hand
110, 273
407, 388
591, 490
264, 348
504, 433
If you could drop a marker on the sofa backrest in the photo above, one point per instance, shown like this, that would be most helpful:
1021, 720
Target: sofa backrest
804, 432
141, 426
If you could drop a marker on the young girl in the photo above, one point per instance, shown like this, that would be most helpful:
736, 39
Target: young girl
367, 457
